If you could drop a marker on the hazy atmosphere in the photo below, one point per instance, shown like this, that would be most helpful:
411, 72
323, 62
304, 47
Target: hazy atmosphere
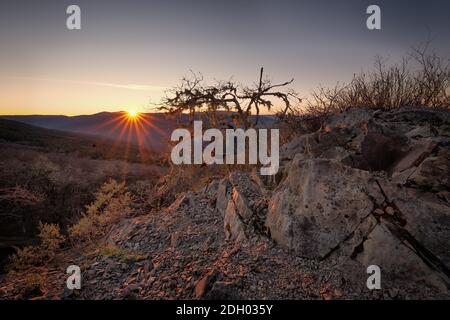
128, 52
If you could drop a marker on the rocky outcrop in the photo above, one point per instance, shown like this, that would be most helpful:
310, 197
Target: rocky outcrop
318, 205
431, 173
243, 213
370, 188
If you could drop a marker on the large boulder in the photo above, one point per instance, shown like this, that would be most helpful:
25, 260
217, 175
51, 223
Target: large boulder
423, 220
400, 266
432, 173
370, 188
318, 205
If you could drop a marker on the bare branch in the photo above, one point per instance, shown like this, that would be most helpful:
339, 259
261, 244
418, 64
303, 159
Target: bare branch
192, 95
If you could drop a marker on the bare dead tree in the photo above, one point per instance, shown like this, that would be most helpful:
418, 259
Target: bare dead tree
193, 96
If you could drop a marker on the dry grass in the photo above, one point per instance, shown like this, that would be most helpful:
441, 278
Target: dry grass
50, 241
183, 178
112, 202
421, 79
34, 285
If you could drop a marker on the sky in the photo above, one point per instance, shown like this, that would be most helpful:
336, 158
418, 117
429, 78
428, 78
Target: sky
128, 52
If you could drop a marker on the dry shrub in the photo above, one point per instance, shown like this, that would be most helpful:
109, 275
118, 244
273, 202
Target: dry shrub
422, 79
112, 202
143, 192
34, 286
24, 259
182, 178
297, 122
20, 195
224, 98
50, 241
86, 229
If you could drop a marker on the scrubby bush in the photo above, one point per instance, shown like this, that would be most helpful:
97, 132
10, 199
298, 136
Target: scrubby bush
86, 229
24, 258
421, 79
227, 103
143, 192
50, 240
20, 195
112, 202
297, 121
34, 286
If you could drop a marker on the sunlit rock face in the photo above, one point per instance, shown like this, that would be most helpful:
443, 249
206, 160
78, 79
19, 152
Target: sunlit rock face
370, 188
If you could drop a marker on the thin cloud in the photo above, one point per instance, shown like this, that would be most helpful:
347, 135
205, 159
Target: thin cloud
136, 87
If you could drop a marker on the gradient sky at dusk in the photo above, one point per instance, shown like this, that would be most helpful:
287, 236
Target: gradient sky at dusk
128, 51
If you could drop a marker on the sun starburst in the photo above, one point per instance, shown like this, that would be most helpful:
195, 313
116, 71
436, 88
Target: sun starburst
132, 114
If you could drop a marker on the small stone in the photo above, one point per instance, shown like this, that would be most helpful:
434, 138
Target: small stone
150, 281
67, 294
205, 284
389, 210
148, 266
174, 239
378, 212
338, 293
172, 284
393, 292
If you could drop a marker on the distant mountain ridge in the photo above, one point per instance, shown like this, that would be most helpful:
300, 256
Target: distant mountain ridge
155, 128
111, 125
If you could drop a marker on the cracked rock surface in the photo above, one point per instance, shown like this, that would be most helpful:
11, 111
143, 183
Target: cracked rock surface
385, 203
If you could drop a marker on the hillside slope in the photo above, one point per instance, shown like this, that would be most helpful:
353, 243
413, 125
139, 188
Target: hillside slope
47, 140
369, 188
49, 176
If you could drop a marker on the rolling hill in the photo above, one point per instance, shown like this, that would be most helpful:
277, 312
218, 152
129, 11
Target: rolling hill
94, 147
111, 125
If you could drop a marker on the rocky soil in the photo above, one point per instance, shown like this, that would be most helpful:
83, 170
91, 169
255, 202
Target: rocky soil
369, 188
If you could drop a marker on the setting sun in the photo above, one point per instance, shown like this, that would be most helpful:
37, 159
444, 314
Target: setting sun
132, 114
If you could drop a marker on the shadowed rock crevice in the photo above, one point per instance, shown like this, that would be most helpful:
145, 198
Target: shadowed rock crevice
396, 223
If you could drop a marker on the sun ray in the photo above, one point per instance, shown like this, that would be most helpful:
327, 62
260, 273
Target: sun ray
134, 131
